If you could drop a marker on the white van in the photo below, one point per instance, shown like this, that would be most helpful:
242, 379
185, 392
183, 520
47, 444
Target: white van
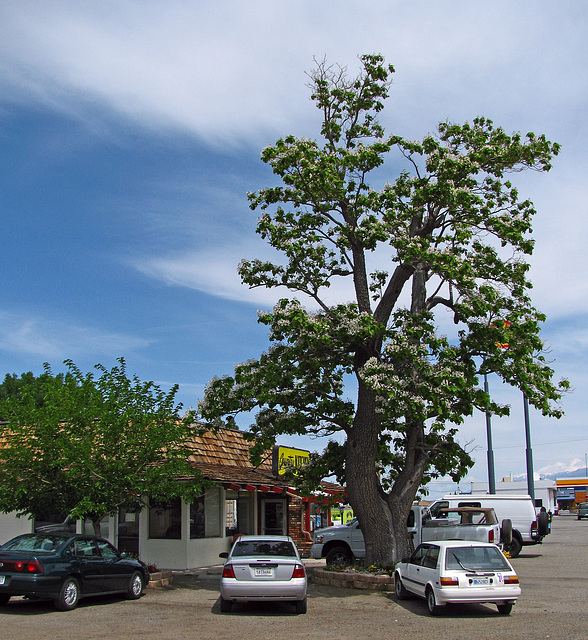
516, 514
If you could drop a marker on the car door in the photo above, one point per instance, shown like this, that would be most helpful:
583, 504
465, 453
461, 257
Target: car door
117, 573
357, 542
414, 578
429, 571
90, 565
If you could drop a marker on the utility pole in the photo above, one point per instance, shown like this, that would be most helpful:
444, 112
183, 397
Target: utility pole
530, 476
491, 477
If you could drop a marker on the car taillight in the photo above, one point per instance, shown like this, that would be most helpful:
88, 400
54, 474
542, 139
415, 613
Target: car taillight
449, 582
299, 571
511, 580
228, 571
491, 536
34, 566
534, 526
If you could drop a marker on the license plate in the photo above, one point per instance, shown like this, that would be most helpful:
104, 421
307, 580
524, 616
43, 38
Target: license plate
480, 581
263, 573
2, 579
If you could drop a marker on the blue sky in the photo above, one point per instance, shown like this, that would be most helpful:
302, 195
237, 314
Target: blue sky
130, 133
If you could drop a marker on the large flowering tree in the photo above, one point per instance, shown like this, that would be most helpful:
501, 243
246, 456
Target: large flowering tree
454, 234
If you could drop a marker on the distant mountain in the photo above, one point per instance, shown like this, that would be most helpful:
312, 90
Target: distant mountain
577, 473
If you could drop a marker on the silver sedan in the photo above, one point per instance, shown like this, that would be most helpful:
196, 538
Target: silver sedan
263, 569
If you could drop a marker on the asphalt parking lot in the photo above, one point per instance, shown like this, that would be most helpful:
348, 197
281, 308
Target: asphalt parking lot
554, 581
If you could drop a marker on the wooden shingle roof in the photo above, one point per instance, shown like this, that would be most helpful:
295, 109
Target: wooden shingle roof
223, 456
224, 447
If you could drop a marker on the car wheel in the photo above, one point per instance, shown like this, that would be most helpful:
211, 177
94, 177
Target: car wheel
506, 532
4, 599
543, 523
432, 606
514, 548
226, 606
504, 608
135, 588
300, 606
401, 592
68, 596
339, 555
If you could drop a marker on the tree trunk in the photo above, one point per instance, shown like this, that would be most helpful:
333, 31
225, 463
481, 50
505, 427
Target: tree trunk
365, 494
382, 517
97, 528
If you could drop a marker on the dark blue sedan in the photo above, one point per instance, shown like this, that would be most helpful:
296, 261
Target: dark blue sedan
65, 568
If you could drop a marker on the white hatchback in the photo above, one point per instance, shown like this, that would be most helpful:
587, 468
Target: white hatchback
457, 571
263, 569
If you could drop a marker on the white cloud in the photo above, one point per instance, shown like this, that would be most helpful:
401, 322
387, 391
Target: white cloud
58, 340
230, 70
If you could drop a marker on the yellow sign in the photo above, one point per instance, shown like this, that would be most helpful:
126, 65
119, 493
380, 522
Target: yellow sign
287, 458
336, 513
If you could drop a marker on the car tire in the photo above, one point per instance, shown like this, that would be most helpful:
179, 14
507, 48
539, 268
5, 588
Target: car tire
506, 532
135, 588
69, 595
226, 606
514, 548
4, 599
432, 606
543, 523
505, 608
301, 606
339, 555
399, 589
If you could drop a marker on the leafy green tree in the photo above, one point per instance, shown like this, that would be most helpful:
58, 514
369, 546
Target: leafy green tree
86, 446
451, 233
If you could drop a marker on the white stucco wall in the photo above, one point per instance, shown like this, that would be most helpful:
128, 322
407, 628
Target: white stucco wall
11, 526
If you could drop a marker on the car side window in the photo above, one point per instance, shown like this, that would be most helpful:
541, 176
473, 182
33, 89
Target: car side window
85, 548
418, 556
107, 550
430, 560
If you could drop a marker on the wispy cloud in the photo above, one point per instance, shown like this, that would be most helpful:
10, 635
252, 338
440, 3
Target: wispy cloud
58, 340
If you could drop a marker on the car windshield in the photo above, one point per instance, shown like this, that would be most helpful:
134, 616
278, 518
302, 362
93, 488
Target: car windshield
38, 543
475, 559
282, 548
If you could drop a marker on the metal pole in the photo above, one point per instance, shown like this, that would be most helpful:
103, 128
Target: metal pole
491, 478
530, 476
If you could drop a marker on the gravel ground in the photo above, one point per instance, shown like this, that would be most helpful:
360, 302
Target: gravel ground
554, 580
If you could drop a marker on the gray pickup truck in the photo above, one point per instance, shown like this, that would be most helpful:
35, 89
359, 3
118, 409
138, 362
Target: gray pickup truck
342, 544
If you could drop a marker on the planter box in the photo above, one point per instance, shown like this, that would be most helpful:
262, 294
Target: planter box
352, 580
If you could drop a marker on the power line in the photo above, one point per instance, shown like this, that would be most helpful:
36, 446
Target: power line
539, 444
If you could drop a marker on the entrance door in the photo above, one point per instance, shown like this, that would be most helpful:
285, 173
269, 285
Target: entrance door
273, 518
128, 532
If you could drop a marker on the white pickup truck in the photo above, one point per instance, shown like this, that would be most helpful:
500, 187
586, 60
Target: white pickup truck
342, 544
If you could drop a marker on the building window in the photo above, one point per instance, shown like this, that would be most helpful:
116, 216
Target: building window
205, 515
165, 520
238, 513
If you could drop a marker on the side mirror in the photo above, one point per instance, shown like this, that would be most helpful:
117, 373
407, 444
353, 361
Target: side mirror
405, 560
223, 554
